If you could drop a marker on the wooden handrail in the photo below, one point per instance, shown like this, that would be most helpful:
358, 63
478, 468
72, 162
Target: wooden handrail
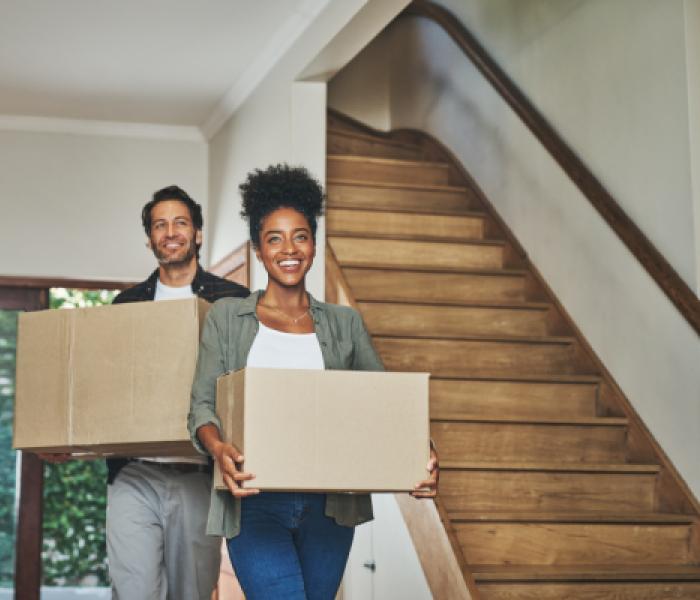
235, 266
660, 270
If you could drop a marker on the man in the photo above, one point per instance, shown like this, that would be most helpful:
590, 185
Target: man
157, 507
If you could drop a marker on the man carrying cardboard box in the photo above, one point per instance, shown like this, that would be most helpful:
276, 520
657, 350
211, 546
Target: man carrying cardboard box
157, 507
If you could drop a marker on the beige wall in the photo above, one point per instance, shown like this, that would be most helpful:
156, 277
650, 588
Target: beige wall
71, 204
611, 75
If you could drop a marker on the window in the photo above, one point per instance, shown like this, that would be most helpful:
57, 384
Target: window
8, 457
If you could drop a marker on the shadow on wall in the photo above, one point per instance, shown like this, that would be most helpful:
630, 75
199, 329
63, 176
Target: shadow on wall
520, 22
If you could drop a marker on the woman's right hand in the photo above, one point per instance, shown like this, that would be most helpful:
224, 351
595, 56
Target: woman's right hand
230, 461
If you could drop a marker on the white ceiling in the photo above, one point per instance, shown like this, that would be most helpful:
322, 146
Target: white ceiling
143, 61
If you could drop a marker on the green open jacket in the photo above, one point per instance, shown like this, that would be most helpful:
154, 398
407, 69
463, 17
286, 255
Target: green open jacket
229, 331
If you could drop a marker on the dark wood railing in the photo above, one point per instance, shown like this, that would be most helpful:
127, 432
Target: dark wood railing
678, 292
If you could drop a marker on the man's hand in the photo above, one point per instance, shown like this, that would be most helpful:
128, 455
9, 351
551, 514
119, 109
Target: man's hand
54, 458
428, 487
230, 461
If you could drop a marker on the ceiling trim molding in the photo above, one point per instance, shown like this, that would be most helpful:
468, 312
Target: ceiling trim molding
258, 69
152, 131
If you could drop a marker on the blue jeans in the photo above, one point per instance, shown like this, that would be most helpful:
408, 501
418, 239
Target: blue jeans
288, 548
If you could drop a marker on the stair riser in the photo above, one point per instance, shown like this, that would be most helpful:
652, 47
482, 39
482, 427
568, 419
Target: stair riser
463, 358
338, 143
494, 442
452, 398
570, 544
368, 170
370, 284
590, 591
419, 254
418, 226
427, 201
452, 321
492, 491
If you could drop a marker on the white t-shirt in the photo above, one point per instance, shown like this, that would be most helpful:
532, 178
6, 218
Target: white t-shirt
273, 349
166, 292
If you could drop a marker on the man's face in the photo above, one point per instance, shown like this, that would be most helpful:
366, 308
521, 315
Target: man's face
173, 237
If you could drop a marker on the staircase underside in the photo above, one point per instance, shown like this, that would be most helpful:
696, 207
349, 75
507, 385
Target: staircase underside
550, 485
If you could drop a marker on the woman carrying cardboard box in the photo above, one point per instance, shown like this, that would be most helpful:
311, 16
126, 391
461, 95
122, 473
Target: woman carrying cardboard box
282, 545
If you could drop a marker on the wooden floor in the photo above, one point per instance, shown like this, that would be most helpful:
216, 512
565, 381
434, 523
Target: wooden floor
551, 485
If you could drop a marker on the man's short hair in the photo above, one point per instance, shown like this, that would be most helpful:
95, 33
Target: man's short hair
172, 192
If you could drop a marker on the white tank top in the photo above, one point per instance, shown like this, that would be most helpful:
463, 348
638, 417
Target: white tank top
274, 349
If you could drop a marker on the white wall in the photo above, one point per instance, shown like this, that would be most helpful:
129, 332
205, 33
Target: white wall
692, 35
611, 76
71, 204
258, 135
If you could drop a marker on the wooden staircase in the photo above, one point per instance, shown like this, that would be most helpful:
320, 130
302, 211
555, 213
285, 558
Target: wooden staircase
551, 487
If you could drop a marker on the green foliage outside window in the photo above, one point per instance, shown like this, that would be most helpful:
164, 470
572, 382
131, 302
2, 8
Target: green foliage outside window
8, 338
75, 497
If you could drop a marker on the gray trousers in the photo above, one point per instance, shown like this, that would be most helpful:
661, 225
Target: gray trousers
156, 542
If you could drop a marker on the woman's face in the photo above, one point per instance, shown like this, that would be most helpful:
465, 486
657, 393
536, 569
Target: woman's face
286, 248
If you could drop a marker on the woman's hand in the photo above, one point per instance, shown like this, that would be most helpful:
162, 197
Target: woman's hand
230, 461
428, 487
54, 458
228, 458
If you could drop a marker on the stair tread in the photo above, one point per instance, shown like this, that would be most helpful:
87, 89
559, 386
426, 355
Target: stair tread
427, 187
609, 572
509, 304
372, 138
569, 517
565, 467
357, 264
415, 238
388, 161
597, 421
470, 214
564, 378
525, 339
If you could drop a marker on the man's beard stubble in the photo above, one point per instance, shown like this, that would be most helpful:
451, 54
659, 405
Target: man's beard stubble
175, 260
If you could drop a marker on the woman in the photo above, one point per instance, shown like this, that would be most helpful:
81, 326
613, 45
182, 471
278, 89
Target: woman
282, 545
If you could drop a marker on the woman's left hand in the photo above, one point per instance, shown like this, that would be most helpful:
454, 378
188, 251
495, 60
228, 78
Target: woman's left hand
428, 487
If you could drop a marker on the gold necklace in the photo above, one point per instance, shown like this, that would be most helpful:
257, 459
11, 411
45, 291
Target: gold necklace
294, 320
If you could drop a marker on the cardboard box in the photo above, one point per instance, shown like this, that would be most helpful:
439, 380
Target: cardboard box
354, 431
109, 380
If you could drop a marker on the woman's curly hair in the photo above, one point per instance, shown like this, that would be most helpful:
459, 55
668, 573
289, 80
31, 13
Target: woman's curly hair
280, 186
